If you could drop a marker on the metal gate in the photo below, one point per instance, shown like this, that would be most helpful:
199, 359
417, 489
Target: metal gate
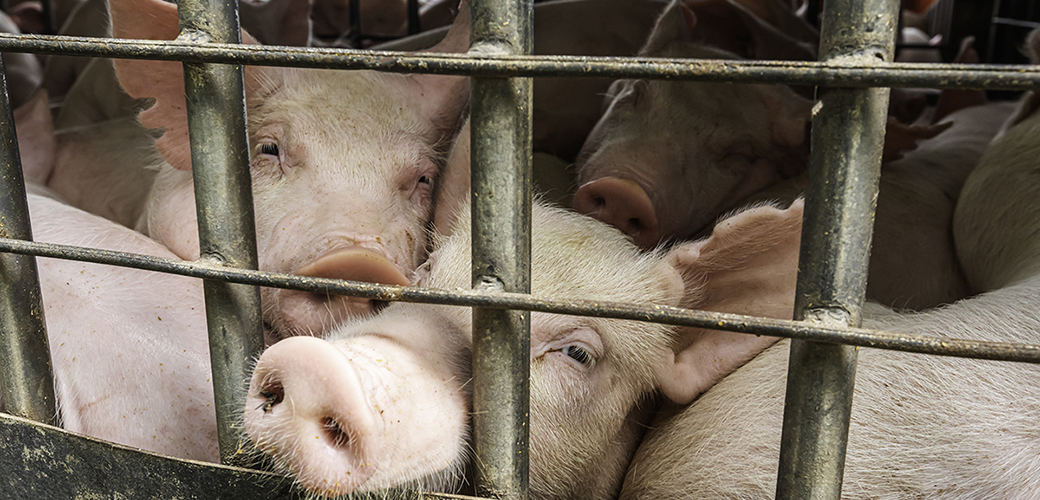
856, 45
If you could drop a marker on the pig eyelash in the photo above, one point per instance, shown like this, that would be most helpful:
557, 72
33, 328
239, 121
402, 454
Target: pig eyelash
269, 148
580, 355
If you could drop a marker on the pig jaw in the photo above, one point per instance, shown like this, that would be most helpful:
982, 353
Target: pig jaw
354, 414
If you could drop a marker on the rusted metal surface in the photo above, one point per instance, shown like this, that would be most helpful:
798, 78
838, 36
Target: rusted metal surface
26, 377
848, 134
224, 206
845, 74
41, 461
501, 251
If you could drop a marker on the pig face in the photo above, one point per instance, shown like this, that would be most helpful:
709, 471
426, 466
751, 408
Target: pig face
590, 377
343, 165
668, 157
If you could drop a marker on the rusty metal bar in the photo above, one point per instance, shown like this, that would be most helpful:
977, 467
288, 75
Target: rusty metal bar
849, 74
943, 346
848, 133
26, 377
224, 202
501, 253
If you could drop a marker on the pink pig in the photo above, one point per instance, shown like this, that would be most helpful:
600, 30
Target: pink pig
343, 167
129, 347
668, 158
383, 401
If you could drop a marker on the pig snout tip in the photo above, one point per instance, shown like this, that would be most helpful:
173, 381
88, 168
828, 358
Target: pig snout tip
306, 408
315, 313
622, 204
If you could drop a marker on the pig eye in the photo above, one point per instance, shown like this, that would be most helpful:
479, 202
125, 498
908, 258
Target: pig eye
269, 148
578, 354
425, 180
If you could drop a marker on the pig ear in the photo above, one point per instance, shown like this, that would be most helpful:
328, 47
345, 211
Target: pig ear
675, 24
788, 116
901, 138
747, 266
160, 80
443, 98
732, 26
277, 22
36, 142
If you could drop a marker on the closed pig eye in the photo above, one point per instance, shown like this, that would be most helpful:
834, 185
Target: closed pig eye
578, 354
269, 148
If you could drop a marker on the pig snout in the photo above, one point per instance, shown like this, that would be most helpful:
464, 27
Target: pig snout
305, 406
622, 204
314, 312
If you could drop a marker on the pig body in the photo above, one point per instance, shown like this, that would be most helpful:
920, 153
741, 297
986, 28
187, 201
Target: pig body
928, 427
669, 157
343, 167
129, 347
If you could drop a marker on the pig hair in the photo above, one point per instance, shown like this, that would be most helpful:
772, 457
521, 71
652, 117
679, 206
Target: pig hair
695, 280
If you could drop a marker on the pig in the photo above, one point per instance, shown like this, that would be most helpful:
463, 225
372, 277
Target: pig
129, 348
383, 401
343, 167
927, 427
750, 142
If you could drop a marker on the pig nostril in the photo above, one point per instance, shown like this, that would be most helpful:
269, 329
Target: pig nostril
273, 395
635, 226
599, 201
334, 432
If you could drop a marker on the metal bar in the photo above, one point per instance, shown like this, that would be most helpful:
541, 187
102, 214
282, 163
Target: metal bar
650, 313
413, 17
355, 23
224, 202
847, 137
63, 464
847, 74
26, 377
501, 253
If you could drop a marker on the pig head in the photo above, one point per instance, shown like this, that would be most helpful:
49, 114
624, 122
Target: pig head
342, 165
388, 405
668, 157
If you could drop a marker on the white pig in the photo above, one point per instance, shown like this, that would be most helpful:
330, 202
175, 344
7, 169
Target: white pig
129, 347
669, 157
343, 165
383, 402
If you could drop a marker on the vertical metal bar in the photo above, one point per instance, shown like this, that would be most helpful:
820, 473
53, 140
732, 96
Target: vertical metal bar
501, 232
413, 17
26, 378
847, 137
355, 23
224, 202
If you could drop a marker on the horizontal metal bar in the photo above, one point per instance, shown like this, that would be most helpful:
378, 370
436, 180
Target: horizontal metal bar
844, 74
1015, 22
1001, 351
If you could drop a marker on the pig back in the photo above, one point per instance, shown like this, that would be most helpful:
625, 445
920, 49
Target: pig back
922, 426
